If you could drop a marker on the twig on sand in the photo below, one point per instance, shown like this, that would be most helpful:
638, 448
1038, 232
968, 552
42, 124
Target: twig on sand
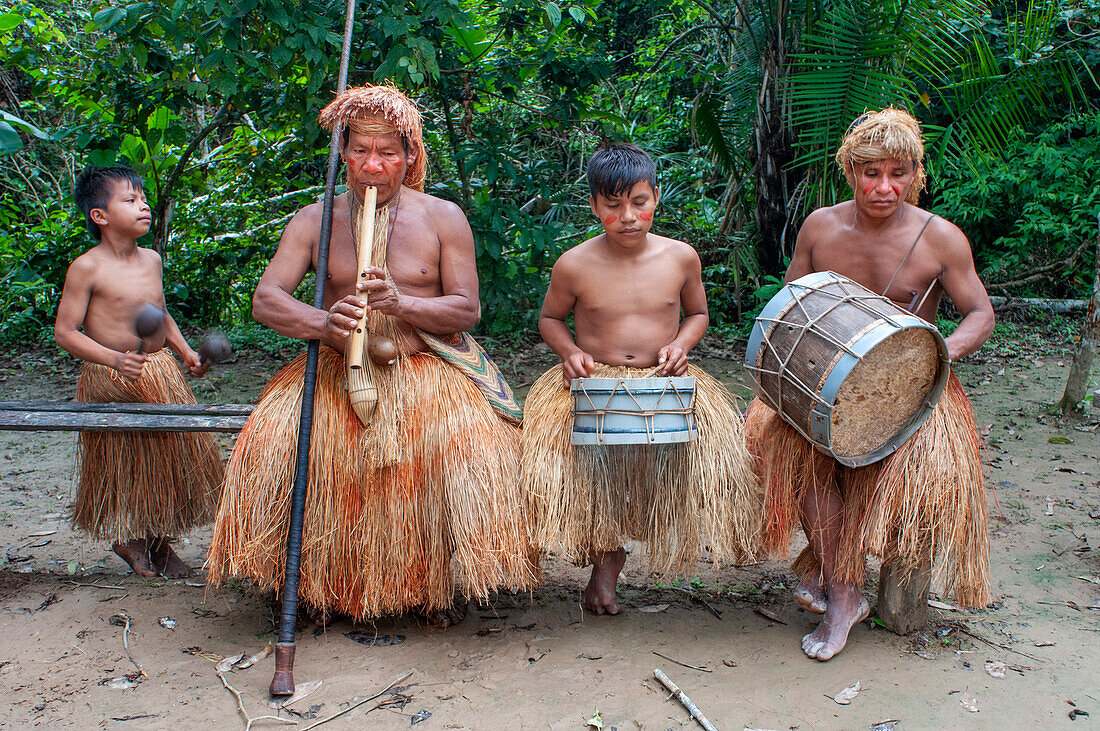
684, 664
968, 633
249, 720
124, 619
96, 586
684, 700
695, 597
353, 707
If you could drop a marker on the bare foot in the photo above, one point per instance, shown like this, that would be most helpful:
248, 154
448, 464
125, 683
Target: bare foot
811, 596
846, 609
136, 553
166, 562
599, 595
448, 617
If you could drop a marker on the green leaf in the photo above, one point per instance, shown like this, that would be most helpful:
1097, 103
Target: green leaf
10, 141
553, 13
9, 21
24, 125
577, 13
107, 18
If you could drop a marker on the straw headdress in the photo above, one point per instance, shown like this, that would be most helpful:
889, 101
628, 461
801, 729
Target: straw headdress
370, 104
889, 133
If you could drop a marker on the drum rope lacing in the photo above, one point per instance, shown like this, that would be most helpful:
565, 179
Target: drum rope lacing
856, 299
687, 411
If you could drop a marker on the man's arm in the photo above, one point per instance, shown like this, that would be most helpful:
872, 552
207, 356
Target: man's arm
961, 283
274, 304
802, 258
556, 306
693, 303
75, 295
458, 309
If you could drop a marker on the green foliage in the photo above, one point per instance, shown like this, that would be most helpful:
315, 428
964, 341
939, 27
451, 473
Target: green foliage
1031, 214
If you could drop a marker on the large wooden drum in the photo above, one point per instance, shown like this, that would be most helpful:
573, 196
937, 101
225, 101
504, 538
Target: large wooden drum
609, 411
850, 370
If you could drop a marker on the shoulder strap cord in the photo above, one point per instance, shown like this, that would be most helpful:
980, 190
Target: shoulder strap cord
905, 259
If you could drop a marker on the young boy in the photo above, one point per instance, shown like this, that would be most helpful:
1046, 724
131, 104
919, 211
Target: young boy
137, 489
627, 289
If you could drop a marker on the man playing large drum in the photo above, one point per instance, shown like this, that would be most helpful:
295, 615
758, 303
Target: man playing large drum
927, 498
627, 289
430, 478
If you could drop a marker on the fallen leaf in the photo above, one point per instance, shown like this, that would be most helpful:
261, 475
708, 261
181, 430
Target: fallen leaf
970, 703
595, 722
301, 690
767, 614
653, 608
890, 725
253, 659
1074, 713
1060, 440
941, 605
730, 663
1045, 644
846, 696
226, 663
995, 669
421, 715
41, 533
122, 683
1090, 579
167, 622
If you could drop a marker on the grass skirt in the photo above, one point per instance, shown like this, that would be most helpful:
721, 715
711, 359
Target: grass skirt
137, 484
925, 500
378, 540
678, 498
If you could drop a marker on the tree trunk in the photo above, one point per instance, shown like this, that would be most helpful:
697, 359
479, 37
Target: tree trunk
1078, 381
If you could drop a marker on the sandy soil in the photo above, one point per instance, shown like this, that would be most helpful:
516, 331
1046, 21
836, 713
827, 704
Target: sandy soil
537, 661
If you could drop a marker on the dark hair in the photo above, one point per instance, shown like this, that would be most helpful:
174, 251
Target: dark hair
93, 189
615, 169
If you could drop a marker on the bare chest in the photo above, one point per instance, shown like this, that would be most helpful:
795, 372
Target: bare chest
878, 265
412, 256
634, 290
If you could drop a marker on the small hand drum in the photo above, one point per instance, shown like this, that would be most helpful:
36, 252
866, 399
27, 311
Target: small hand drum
610, 411
851, 371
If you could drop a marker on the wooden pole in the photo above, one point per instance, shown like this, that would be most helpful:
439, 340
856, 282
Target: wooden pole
1078, 382
282, 684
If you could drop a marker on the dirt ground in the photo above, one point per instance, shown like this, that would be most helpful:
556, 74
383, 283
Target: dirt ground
537, 661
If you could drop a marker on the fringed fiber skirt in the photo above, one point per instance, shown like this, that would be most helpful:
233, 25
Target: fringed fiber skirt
133, 485
378, 540
677, 498
925, 500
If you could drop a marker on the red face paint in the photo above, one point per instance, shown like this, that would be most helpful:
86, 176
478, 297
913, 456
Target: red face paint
868, 188
608, 220
647, 216
897, 190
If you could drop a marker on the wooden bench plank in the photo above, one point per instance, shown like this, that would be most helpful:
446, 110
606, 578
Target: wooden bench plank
76, 416
129, 408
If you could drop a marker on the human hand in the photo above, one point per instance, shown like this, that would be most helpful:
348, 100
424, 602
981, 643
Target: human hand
129, 364
380, 292
672, 360
195, 365
344, 316
577, 365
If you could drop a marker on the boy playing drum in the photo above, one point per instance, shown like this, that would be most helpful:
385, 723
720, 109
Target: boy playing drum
627, 289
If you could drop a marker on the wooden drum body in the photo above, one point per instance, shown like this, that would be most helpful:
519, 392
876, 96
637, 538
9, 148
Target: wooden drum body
850, 370
633, 410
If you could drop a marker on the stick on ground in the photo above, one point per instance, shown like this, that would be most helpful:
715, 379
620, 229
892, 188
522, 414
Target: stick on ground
684, 700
